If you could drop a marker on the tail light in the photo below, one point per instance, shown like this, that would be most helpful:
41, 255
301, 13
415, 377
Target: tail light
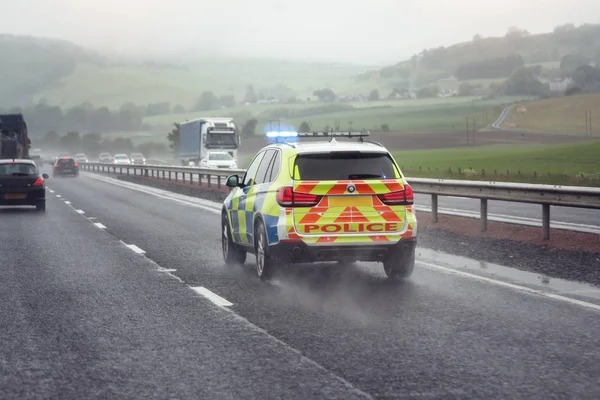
75, 165
404, 197
38, 182
286, 197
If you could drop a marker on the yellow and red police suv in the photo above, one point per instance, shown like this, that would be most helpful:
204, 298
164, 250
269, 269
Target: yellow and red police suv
320, 200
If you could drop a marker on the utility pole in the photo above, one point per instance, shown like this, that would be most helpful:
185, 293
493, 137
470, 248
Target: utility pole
588, 122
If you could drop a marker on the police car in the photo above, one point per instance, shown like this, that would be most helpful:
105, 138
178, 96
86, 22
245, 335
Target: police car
331, 200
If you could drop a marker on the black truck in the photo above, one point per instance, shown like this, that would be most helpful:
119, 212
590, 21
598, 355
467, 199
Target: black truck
14, 142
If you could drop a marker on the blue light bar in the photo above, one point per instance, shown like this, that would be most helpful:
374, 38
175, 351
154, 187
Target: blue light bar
334, 134
277, 134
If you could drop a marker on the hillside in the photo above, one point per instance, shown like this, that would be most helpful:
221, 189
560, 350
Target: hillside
67, 75
485, 60
563, 115
30, 64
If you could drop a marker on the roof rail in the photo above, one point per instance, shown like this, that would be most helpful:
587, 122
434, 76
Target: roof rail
370, 141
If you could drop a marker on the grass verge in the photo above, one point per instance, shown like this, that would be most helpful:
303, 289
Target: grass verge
572, 164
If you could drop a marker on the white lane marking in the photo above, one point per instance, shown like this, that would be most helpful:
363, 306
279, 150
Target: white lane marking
58, 195
80, 211
213, 207
136, 249
215, 298
520, 288
92, 218
511, 219
99, 225
51, 191
67, 202
161, 269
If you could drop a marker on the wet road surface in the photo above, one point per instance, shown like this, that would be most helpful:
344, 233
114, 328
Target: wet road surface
89, 316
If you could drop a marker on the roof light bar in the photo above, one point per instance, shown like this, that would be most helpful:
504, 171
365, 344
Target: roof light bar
334, 134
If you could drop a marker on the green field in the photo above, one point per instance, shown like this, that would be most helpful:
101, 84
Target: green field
575, 164
564, 115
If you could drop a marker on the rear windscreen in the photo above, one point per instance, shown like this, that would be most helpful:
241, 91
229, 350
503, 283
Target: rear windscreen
344, 165
18, 169
66, 162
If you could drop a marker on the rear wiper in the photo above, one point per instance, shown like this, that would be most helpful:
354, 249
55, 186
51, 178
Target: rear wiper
20, 174
363, 176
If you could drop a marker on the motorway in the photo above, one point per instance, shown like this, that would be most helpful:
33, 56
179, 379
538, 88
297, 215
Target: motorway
120, 291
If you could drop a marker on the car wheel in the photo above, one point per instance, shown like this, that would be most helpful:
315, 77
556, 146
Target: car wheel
41, 207
400, 264
265, 265
231, 254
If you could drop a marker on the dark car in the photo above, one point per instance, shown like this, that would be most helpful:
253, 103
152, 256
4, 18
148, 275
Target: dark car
66, 166
21, 184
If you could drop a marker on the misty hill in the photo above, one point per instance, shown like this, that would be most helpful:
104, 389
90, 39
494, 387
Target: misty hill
30, 64
68, 75
486, 59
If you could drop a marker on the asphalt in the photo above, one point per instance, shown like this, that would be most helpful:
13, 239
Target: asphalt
87, 316
83, 316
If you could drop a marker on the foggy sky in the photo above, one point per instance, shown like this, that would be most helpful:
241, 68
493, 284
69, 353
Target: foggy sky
362, 31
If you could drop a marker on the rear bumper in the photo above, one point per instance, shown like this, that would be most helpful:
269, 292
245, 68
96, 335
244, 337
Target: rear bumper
32, 197
61, 172
300, 252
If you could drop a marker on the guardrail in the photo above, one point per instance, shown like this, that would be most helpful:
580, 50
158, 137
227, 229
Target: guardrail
544, 195
208, 175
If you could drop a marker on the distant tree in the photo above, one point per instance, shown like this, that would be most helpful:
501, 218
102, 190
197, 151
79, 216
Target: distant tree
587, 78
523, 82
249, 128
304, 127
71, 142
250, 96
374, 95
207, 101
130, 116
173, 138
477, 37
325, 95
385, 128
570, 62
178, 109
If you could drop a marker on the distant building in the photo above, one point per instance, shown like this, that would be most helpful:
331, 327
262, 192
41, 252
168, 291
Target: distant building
559, 85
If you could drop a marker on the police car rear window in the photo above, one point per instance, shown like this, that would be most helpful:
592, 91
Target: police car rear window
344, 165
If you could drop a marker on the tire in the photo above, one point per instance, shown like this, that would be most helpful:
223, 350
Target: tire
231, 254
41, 207
265, 265
400, 264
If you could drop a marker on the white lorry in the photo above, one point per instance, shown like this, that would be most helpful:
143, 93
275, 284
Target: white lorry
199, 137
